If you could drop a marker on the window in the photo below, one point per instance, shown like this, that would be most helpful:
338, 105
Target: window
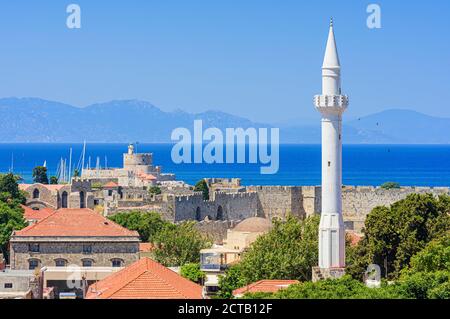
110, 192
117, 262
8, 285
82, 200
60, 263
33, 248
36, 193
87, 262
87, 249
33, 264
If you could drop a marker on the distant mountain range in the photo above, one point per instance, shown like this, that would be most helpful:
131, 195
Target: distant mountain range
38, 120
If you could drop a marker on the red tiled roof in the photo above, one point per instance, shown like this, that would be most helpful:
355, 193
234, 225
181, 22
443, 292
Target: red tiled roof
148, 177
146, 247
111, 185
265, 286
37, 215
144, 279
75, 223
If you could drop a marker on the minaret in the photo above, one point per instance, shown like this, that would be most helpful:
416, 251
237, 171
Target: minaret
331, 104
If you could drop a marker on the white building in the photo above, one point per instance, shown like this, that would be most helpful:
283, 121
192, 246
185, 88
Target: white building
331, 104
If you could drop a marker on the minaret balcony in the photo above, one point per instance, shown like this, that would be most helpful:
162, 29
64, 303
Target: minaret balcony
331, 103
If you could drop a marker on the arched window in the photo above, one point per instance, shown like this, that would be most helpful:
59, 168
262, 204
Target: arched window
60, 262
36, 193
87, 262
64, 199
33, 264
198, 214
219, 215
82, 200
116, 262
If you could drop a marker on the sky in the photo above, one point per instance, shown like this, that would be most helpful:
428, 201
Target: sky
258, 59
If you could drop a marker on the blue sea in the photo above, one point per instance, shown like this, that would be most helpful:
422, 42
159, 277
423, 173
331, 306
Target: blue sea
409, 165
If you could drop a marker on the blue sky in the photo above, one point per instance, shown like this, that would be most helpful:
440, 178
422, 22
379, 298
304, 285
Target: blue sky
254, 58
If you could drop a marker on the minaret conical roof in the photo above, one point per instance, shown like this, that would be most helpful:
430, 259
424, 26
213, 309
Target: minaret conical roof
331, 59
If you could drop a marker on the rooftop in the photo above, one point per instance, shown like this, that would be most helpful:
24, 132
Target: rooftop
75, 223
145, 279
37, 215
264, 286
254, 225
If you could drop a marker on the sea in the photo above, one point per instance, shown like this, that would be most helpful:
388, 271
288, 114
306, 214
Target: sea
300, 165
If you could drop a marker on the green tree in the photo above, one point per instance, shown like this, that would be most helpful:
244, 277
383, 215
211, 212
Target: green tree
11, 213
202, 186
233, 279
9, 189
76, 173
40, 175
154, 190
394, 234
147, 224
53, 180
342, 288
288, 251
390, 185
192, 272
177, 245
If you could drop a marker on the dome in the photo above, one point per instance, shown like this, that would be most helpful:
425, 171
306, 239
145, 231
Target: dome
254, 225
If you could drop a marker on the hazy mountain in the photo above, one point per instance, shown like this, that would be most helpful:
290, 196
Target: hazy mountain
37, 120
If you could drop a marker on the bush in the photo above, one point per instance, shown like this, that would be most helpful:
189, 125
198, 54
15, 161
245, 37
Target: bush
192, 272
390, 185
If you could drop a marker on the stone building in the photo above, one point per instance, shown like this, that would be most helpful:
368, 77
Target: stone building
71, 237
77, 194
137, 171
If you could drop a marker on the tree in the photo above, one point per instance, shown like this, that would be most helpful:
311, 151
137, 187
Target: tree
342, 288
390, 185
147, 224
288, 251
202, 186
40, 175
11, 213
394, 234
53, 180
154, 190
428, 276
233, 279
192, 272
76, 173
9, 189
177, 245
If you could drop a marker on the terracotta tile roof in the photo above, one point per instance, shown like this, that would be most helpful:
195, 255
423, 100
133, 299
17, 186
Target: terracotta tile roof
111, 185
148, 177
145, 279
37, 215
146, 247
265, 286
75, 223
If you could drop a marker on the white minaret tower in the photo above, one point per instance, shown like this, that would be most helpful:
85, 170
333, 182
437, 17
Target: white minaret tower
331, 104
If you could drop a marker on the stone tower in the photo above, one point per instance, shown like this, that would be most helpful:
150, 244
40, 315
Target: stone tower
331, 104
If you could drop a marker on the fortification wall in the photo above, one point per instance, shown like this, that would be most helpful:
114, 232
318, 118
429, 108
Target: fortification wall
359, 201
224, 206
278, 201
